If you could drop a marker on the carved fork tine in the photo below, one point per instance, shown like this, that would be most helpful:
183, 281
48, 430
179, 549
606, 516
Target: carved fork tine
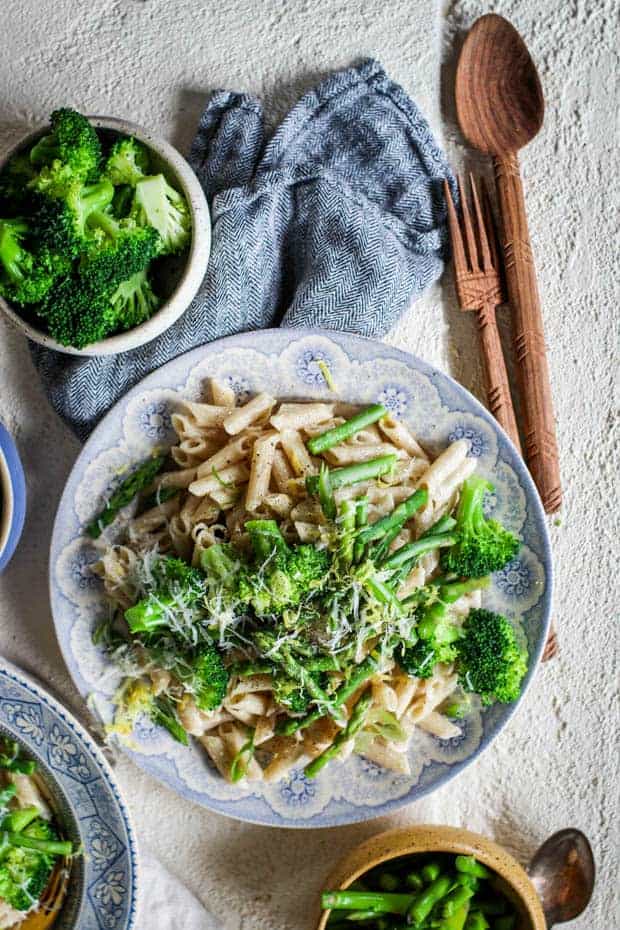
479, 288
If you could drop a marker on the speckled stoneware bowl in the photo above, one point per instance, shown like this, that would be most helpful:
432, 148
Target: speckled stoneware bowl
102, 892
12, 497
178, 277
513, 881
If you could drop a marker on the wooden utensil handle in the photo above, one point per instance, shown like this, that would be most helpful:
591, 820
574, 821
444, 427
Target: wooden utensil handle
498, 387
540, 443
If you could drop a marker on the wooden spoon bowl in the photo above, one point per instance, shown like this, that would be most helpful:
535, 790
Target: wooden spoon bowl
499, 99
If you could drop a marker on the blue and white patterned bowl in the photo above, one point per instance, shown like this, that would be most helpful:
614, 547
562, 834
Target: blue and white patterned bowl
12, 497
285, 363
102, 893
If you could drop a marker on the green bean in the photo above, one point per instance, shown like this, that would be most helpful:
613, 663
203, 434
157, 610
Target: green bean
353, 474
381, 902
451, 592
476, 921
382, 593
381, 550
326, 493
354, 724
443, 525
240, 763
301, 674
431, 871
125, 493
456, 899
470, 866
336, 435
164, 714
48, 847
361, 519
347, 528
414, 880
362, 673
398, 517
414, 550
426, 900
457, 920
19, 819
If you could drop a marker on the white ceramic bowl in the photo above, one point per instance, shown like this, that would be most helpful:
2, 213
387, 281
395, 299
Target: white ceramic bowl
180, 276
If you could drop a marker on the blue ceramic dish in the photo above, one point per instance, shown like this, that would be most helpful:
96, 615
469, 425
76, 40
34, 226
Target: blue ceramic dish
102, 889
287, 364
12, 497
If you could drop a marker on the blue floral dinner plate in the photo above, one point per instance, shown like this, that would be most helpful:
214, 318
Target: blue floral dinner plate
102, 891
288, 364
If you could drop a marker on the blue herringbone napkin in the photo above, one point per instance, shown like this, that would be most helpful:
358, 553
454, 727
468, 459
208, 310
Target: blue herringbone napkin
337, 221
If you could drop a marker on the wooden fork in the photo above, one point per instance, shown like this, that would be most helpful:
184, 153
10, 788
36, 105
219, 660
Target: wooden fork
479, 287
51, 901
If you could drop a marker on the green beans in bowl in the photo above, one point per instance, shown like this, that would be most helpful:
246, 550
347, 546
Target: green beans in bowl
104, 235
430, 878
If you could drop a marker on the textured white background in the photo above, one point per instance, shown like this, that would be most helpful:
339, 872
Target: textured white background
154, 62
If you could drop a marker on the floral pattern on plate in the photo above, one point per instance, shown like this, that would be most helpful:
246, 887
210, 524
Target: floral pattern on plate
293, 364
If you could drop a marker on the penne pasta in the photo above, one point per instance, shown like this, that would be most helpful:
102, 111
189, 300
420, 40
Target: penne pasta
250, 463
222, 395
241, 417
260, 469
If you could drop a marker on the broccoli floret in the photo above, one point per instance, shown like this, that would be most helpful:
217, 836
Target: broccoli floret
134, 301
292, 695
159, 205
281, 575
307, 565
73, 142
209, 679
490, 661
437, 642
14, 180
24, 873
127, 163
177, 586
483, 546
74, 315
120, 250
85, 307
122, 201
25, 276
61, 220
420, 660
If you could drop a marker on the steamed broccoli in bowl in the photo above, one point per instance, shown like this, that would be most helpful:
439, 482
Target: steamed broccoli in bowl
85, 221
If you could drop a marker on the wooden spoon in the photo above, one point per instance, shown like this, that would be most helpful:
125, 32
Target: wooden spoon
500, 109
